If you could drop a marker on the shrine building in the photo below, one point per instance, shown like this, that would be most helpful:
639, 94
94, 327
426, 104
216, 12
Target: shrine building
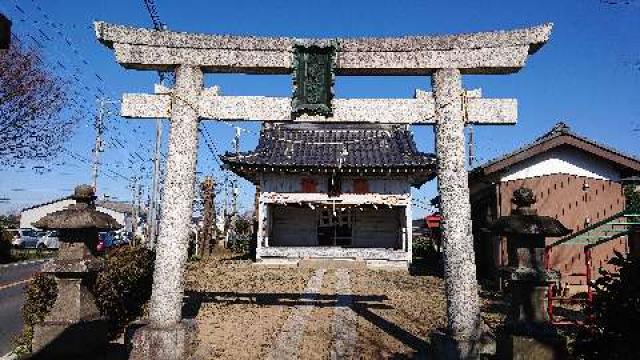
334, 191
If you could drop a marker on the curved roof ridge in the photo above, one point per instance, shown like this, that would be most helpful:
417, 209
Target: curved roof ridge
558, 130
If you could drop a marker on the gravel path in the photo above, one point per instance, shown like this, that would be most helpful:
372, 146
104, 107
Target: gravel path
287, 344
344, 319
247, 311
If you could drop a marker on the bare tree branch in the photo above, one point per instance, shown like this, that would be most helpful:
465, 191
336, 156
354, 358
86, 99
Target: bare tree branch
32, 100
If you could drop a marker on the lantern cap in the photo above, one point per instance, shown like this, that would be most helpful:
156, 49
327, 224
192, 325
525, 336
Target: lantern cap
524, 220
81, 215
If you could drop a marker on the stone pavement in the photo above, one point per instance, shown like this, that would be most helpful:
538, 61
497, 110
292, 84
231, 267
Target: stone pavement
343, 323
288, 341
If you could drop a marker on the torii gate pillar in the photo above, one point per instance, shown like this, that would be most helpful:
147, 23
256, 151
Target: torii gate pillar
173, 241
463, 307
168, 336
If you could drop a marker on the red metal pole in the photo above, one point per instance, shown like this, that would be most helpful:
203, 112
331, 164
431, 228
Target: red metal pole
587, 262
550, 302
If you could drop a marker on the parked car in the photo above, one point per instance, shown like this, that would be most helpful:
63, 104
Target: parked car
105, 241
48, 240
23, 238
121, 237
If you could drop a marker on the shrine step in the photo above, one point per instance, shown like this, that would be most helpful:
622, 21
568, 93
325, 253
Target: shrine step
332, 264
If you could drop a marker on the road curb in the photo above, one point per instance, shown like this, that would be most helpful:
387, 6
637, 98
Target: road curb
28, 262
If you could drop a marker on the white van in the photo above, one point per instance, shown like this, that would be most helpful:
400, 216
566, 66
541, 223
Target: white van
23, 238
48, 240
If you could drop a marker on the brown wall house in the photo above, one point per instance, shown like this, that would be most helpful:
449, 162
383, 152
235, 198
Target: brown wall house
575, 180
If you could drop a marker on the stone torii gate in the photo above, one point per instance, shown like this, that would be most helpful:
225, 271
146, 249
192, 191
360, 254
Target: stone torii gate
314, 63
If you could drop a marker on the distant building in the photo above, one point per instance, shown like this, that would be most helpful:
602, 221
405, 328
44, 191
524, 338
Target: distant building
576, 180
334, 191
121, 211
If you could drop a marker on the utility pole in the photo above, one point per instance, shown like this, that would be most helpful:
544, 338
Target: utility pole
234, 204
98, 148
209, 217
136, 192
99, 145
154, 207
155, 188
225, 210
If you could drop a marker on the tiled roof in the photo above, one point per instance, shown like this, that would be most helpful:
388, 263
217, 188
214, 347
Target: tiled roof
561, 131
117, 206
334, 146
45, 203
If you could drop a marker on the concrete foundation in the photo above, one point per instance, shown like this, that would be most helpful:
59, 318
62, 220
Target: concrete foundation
519, 347
445, 347
365, 257
148, 341
448, 347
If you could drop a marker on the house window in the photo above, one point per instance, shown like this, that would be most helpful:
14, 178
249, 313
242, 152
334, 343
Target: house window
360, 186
309, 185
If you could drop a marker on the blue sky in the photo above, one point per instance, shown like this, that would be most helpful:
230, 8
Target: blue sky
588, 75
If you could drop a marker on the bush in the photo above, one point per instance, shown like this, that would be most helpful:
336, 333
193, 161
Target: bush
423, 247
40, 294
612, 331
632, 199
240, 244
5, 249
124, 286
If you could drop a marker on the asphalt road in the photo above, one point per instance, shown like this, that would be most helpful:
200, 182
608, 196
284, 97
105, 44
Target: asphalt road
13, 278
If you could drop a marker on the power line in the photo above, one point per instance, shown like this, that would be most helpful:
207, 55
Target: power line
153, 13
210, 144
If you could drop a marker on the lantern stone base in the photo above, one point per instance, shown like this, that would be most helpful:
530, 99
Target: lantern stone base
74, 326
67, 339
445, 346
148, 341
522, 347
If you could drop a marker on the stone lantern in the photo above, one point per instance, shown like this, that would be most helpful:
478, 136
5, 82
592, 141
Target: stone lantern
74, 326
529, 333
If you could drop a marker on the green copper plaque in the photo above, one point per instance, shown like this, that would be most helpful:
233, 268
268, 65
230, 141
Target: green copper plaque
313, 79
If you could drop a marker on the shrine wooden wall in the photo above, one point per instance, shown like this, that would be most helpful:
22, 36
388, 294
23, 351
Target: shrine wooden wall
293, 226
293, 183
380, 228
298, 226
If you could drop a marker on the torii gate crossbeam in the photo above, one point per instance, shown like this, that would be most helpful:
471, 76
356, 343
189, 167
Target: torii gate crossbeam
448, 107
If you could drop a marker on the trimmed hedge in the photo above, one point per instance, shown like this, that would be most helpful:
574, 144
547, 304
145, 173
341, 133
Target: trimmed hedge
124, 286
40, 294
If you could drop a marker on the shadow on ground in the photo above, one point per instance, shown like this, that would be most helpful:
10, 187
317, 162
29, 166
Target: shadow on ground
427, 266
362, 305
71, 341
